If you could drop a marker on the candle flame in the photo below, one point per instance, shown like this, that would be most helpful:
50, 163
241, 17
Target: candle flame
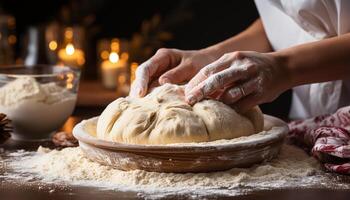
113, 57
53, 45
70, 49
68, 33
104, 55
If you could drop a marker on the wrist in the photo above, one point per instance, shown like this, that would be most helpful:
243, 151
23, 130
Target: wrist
283, 62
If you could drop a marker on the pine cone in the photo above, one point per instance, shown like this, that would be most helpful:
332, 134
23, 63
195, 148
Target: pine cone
64, 139
5, 128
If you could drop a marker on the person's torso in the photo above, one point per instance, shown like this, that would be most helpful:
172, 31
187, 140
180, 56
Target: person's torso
288, 23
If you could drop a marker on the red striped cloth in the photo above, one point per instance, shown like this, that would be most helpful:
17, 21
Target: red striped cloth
327, 137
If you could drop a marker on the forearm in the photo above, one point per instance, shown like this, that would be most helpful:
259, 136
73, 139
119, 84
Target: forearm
320, 61
252, 39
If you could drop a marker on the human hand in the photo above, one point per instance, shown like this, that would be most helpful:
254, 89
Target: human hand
168, 66
241, 79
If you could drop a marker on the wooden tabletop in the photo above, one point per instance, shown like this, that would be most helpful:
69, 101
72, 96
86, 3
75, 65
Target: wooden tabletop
92, 93
35, 190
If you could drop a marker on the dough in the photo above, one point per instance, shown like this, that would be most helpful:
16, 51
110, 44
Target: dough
163, 117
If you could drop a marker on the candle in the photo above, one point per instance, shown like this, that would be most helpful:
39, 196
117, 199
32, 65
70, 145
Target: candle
71, 56
112, 69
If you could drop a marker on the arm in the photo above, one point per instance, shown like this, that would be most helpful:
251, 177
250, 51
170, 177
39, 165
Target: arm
252, 39
178, 66
320, 61
246, 78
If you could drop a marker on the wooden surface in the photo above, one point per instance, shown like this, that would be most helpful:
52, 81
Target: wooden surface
92, 93
29, 190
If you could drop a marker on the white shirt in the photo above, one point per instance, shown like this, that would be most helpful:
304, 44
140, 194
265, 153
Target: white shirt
292, 22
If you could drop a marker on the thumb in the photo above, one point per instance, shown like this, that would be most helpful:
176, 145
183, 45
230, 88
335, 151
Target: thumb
180, 74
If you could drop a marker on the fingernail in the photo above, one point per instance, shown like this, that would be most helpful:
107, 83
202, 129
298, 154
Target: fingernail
140, 92
137, 92
191, 99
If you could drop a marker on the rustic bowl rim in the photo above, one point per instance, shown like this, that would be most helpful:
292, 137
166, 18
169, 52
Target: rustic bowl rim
279, 127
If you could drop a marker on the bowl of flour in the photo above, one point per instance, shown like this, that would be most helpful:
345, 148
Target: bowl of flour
38, 99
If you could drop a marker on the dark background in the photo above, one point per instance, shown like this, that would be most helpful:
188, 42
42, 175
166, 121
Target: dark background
203, 22
194, 23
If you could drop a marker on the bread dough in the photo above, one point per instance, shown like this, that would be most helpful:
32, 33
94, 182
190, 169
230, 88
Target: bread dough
163, 117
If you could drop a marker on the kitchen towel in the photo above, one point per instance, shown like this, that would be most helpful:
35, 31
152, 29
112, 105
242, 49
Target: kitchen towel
326, 137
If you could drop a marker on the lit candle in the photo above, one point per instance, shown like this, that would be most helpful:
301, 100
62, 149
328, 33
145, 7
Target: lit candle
112, 69
71, 56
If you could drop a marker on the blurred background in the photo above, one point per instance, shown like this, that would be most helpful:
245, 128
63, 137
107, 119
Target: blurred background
108, 39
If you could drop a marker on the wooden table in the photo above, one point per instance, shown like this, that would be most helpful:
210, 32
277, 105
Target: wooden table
31, 190
92, 93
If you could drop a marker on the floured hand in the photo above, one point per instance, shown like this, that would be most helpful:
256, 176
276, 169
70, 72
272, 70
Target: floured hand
242, 79
168, 66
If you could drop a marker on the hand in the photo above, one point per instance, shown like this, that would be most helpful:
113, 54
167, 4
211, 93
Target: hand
168, 66
242, 79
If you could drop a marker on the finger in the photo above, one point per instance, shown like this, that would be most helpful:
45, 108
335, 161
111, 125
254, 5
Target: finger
140, 85
220, 80
206, 71
246, 103
233, 94
180, 74
146, 71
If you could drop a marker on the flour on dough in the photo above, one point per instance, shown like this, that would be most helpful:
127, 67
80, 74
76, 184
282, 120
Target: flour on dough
163, 117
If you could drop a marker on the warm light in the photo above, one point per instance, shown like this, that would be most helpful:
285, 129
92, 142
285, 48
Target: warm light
69, 86
11, 22
68, 33
71, 56
104, 55
81, 60
12, 39
70, 78
122, 79
69, 124
124, 56
115, 45
53, 45
113, 57
133, 68
70, 49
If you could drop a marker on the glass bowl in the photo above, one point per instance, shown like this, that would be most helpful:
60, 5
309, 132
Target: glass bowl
37, 99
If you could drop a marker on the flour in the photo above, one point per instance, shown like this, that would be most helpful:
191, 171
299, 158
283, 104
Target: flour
216, 81
224, 142
292, 168
27, 88
35, 108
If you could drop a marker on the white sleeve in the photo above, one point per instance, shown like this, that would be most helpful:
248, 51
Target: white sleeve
341, 16
320, 18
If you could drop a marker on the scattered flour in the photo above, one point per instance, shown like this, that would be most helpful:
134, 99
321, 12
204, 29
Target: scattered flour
292, 168
35, 108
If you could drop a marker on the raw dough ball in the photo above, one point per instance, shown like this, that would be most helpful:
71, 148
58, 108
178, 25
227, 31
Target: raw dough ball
163, 117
